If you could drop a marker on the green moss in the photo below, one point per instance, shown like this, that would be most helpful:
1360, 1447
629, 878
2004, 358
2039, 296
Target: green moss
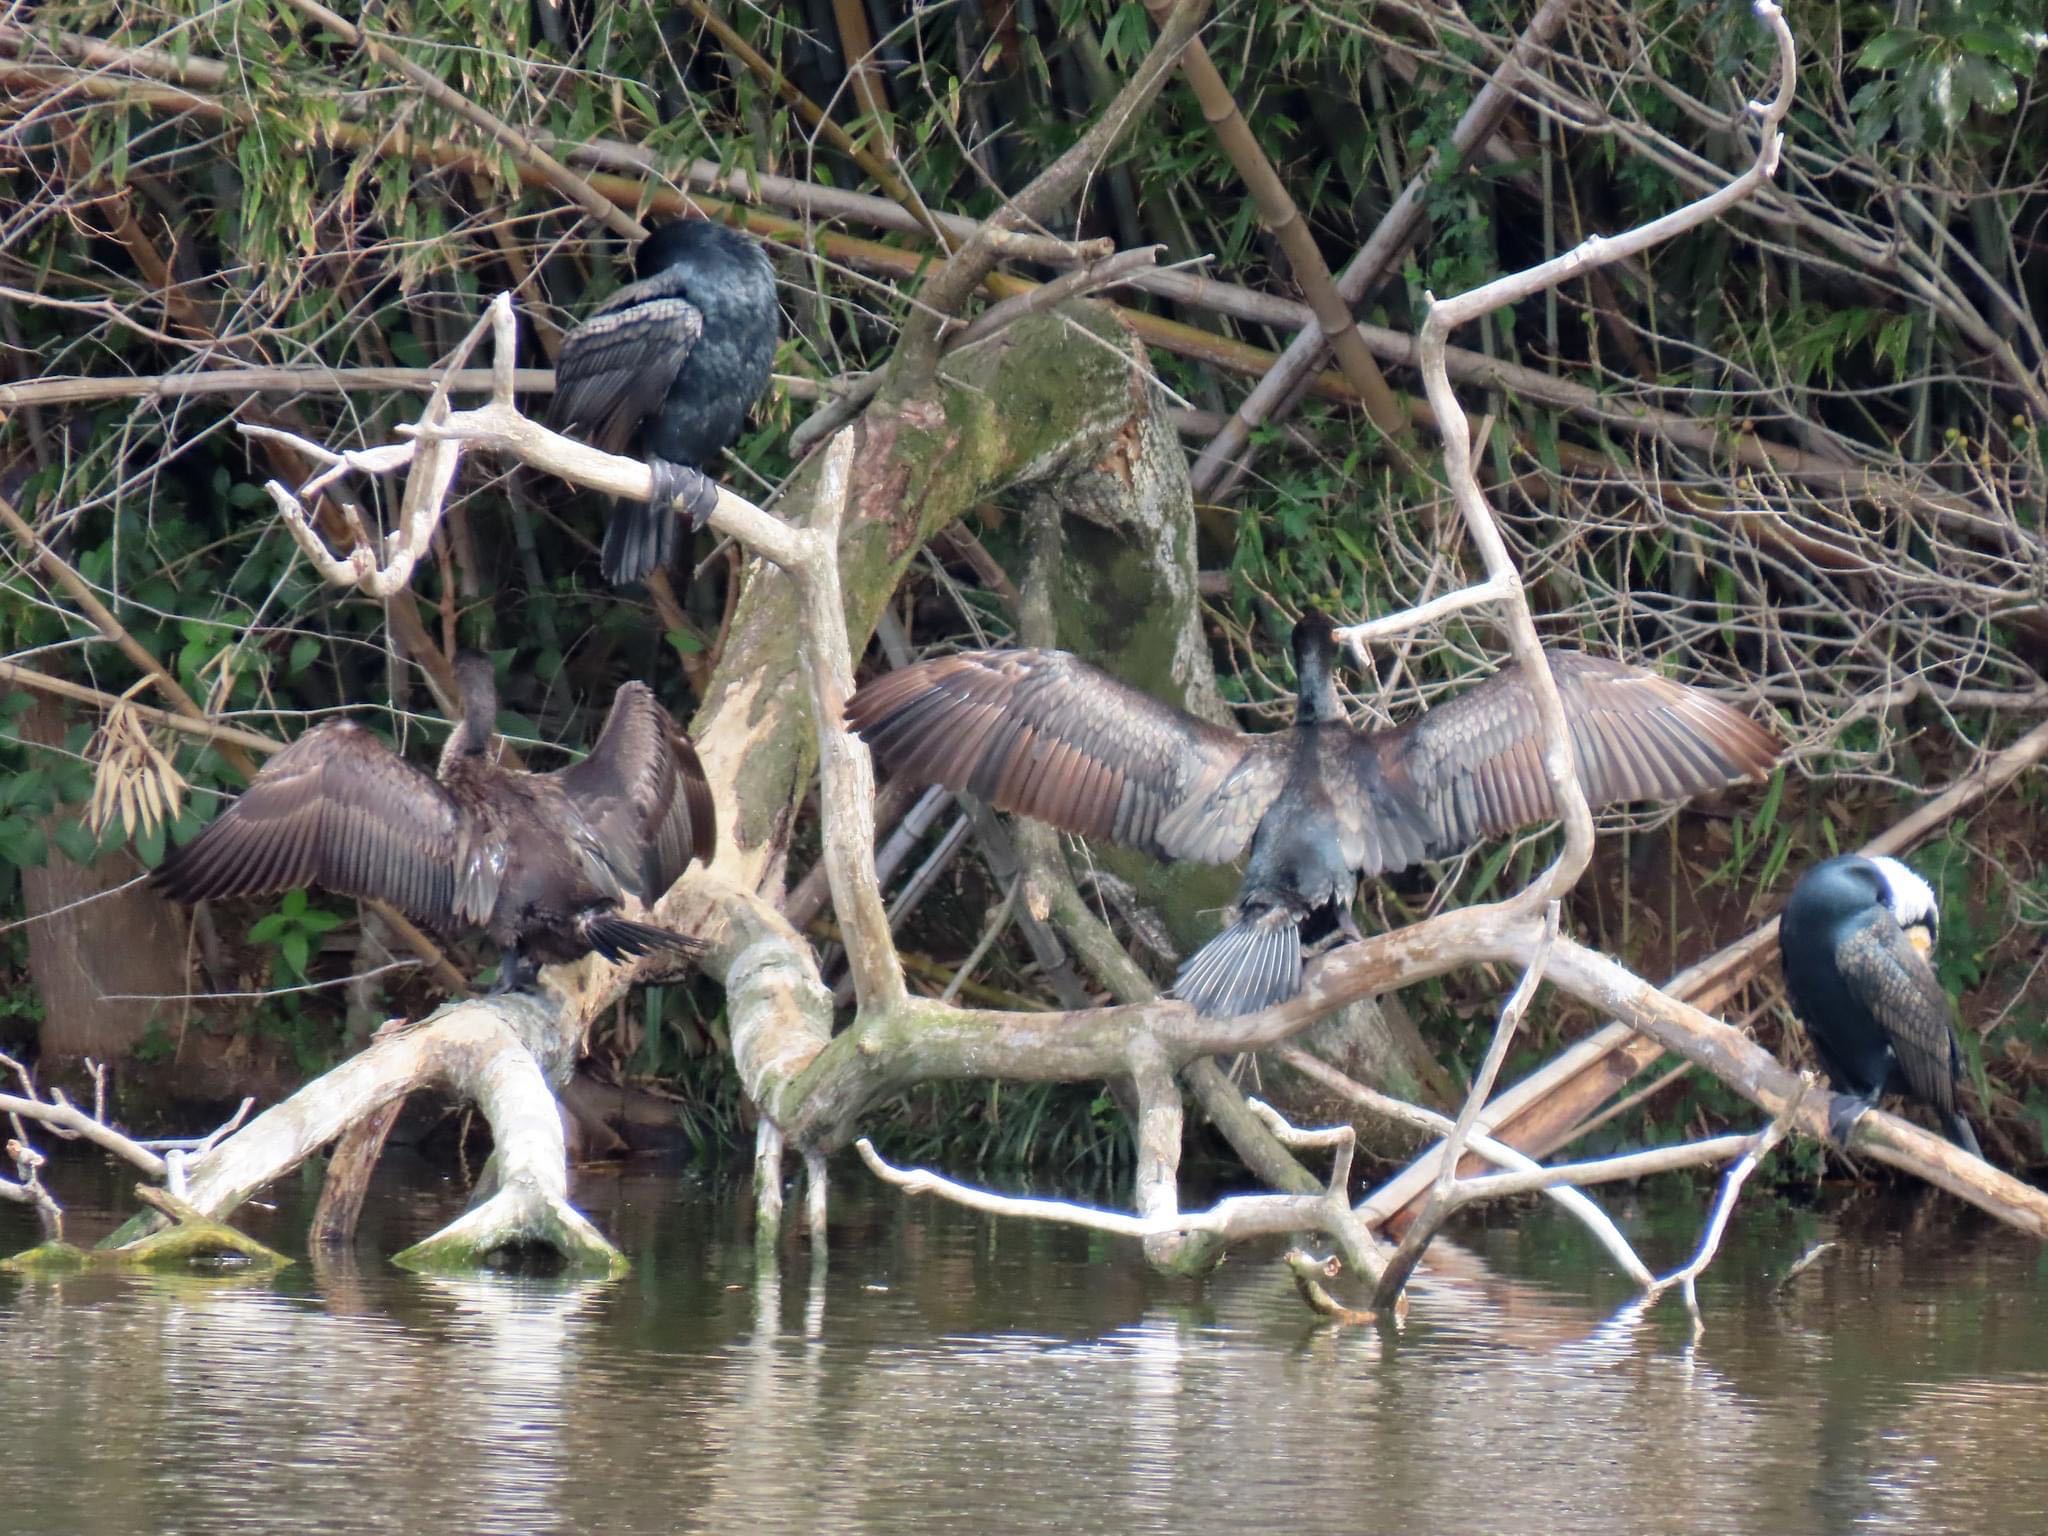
188, 1246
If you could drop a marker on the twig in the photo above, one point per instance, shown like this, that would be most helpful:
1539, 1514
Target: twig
1425, 1226
1280, 216
104, 621
1580, 1205
1221, 457
1107, 273
1233, 1219
947, 289
557, 175
1724, 1207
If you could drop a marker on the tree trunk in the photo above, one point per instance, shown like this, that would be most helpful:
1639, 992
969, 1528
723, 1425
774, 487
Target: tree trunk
88, 950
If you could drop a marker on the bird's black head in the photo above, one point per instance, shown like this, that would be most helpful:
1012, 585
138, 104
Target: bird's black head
1848, 887
1315, 656
702, 244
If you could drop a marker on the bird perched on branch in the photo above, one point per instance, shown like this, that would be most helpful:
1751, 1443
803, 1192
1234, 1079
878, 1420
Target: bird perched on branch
539, 861
1318, 804
1854, 941
666, 368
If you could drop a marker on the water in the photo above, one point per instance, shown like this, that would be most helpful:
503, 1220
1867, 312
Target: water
949, 1373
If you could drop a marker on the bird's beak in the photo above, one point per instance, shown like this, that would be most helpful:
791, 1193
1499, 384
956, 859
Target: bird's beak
1921, 938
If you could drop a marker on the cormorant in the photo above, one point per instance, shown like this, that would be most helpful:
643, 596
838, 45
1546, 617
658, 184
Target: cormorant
538, 861
1854, 941
666, 368
1318, 804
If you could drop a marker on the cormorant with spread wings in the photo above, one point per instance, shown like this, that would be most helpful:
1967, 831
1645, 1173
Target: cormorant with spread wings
539, 861
1319, 804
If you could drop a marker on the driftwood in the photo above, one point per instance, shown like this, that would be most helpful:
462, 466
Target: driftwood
766, 723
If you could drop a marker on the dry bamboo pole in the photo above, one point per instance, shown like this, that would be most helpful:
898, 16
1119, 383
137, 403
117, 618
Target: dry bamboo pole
1399, 225
1539, 1114
1282, 218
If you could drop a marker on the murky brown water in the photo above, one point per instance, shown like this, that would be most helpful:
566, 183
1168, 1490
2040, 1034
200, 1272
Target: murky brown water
948, 1373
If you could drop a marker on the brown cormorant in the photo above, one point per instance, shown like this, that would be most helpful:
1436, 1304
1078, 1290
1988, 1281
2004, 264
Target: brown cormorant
538, 861
1318, 804
1854, 940
666, 368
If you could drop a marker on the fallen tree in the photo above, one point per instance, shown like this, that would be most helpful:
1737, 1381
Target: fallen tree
1056, 405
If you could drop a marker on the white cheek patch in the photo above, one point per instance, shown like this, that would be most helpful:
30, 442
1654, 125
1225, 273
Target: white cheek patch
1912, 899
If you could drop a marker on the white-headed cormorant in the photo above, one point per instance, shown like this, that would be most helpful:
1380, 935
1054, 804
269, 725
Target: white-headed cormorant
1854, 940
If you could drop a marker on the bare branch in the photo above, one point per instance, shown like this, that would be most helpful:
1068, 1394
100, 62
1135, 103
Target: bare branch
845, 767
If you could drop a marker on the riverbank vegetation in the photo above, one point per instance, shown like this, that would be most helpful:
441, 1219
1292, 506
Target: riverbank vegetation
1793, 452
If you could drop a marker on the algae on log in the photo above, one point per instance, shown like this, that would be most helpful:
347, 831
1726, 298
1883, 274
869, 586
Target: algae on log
1042, 400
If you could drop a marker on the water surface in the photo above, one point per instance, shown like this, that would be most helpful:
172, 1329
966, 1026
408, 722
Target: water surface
950, 1373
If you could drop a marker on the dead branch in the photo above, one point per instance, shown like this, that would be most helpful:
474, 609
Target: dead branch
1232, 1220
1221, 457
1425, 1227
1280, 216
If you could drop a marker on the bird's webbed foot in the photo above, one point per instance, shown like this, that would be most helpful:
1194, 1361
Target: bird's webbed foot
678, 486
1844, 1110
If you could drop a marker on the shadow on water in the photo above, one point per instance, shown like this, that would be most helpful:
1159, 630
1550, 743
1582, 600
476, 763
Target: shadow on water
949, 1373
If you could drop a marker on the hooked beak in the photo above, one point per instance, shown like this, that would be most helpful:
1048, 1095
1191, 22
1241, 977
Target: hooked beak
1921, 938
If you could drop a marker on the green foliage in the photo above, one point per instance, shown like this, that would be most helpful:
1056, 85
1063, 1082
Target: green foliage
294, 931
1971, 55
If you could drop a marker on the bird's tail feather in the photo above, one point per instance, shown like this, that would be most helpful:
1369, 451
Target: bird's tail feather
641, 538
1962, 1135
616, 937
1252, 964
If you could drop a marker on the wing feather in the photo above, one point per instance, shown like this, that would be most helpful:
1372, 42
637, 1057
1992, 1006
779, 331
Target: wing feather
339, 810
1045, 735
1894, 981
1474, 766
643, 795
614, 369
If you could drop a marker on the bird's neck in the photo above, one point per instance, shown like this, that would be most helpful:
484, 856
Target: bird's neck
470, 742
1316, 695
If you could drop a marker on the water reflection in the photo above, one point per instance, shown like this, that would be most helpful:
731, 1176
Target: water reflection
950, 1374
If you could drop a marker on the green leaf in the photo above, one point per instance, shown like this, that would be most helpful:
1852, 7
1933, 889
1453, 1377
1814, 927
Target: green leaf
266, 930
75, 842
296, 949
1887, 48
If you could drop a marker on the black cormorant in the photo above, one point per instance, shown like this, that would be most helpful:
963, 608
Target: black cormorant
1854, 940
1318, 805
666, 368
538, 861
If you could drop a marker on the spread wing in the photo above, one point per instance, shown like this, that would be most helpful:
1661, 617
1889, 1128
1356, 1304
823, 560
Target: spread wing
1474, 766
339, 810
643, 795
1050, 737
615, 368
1893, 980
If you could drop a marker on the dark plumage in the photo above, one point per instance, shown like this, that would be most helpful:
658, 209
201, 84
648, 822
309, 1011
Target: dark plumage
666, 368
538, 861
1317, 805
1854, 941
